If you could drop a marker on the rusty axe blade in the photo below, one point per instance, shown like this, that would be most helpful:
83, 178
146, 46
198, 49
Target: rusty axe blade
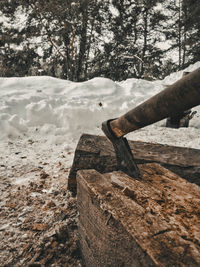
124, 155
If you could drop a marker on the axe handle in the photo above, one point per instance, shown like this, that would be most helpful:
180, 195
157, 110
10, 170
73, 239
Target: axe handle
182, 95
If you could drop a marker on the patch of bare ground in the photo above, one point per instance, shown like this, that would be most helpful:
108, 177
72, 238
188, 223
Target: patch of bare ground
38, 219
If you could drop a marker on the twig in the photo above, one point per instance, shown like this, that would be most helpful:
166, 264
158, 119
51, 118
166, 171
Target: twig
50, 40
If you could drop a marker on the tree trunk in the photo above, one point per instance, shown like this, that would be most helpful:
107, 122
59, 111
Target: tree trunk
185, 18
83, 41
145, 40
179, 35
88, 49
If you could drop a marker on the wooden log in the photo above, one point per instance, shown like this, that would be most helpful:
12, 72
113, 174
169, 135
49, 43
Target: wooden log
154, 221
96, 152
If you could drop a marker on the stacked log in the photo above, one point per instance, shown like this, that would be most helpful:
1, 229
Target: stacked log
96, 152
154, 221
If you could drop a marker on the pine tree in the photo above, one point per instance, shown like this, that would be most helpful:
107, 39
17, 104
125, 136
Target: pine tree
62, 30
119, 59
15, 60
191, 41
184, 30
136, 28
80, 39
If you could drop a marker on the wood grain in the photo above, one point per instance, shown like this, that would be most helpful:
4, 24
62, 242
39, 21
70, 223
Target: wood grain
96, 152
154, 221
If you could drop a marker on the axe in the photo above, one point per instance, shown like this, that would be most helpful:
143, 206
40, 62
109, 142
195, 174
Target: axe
178, 97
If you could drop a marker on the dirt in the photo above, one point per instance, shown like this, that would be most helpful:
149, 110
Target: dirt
38, 216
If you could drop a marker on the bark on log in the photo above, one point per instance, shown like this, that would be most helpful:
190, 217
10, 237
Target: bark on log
96, 152
154, 221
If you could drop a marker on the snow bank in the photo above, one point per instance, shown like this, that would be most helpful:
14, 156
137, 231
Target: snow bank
58, 110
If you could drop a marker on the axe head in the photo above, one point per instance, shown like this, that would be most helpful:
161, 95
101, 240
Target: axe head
124, 155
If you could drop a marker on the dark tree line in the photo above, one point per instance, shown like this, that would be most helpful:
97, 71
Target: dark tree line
81, 39
184, 30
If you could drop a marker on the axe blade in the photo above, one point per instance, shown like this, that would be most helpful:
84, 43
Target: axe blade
124, 155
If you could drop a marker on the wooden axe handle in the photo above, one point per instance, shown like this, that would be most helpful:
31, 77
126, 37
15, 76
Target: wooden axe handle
182, 95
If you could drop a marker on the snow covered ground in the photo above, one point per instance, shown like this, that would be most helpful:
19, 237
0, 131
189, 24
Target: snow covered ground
43, 117
41, 120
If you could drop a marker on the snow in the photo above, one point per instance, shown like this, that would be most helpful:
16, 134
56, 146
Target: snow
41, 121
42, 118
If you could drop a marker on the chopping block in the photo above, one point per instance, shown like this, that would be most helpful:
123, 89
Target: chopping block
154, 221
96, 152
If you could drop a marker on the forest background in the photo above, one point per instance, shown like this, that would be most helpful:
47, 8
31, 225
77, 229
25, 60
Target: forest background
82, 39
